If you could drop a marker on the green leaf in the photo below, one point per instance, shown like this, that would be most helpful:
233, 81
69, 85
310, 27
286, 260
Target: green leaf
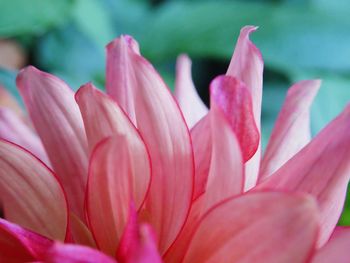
71, 55
32, 17
290, 36
8, 81
93, 20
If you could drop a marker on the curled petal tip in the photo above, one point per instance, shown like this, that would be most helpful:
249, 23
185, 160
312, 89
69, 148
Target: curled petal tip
125, 40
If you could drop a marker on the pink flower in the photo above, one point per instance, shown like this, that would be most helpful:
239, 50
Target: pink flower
123, 174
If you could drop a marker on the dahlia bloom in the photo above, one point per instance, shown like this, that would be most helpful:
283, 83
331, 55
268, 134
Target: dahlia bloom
121, 177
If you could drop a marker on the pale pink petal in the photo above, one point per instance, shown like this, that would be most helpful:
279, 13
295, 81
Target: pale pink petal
234, 100
247, 65
261, 227
117, 170
56, 117
202, 149
292, 129
138, 243
20, 245
30, 194
336, 249
138, 89
321, 168
80, 233
186, 95
60, 253
231, 97
225, 172
13, 129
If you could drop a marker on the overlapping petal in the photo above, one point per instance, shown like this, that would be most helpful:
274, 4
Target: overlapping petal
247, 65
61, 253
20, 245
261, 227
56, 117
30, 195
336, 249
322, 168
119, 173
292, 129
138, 89
186, 95
138, 243
13, 129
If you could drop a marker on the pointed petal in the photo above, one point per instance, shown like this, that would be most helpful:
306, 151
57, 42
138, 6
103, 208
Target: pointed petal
13, 129
186, 95
261, 227
247, 65
139, 90
30, 194
322, 168
20, 245
119, 172
292, 129
138, 244
60, 253
56, 117
81, 234
336, 249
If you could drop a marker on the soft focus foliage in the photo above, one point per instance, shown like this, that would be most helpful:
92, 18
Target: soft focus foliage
299, 40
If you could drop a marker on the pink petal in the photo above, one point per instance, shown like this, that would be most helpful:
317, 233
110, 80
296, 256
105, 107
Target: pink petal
202, 150
225, 175
321, 168
138, 244
261, 227
56, 117
20, 245
80, 233
292, 129
13, 129
336, 249
60, 253
247, 65
189, 101
119, 173
30, 194
234, 100
139, 90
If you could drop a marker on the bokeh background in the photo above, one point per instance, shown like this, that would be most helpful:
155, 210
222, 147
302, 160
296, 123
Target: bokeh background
299, 39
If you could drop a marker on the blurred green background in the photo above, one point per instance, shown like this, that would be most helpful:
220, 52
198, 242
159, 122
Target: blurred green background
299, 39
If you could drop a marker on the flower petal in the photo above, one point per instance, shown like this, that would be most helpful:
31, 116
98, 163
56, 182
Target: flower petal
138, 244
60, 253
119, 173
139, 90
336, 249
80, 233
321, 168
247, 65
202, 151
30, 194
261, 227
234, 100
292, 129
13, 129
57, 119
186, 95
20, 245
